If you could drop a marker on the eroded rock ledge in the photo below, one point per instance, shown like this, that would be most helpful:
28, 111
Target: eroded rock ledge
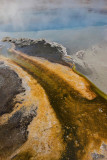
51, 51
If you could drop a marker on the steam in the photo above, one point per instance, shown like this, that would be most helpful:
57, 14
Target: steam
15, 15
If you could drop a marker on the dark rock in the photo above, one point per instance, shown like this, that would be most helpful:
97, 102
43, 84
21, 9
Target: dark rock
40, 48
14, 132
10, 86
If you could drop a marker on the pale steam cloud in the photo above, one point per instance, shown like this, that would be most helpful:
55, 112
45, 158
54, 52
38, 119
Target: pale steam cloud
15, 13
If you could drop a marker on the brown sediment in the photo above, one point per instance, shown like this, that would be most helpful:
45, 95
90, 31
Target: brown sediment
81, 111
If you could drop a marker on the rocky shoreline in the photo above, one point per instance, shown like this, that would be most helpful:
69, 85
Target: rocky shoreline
43, 48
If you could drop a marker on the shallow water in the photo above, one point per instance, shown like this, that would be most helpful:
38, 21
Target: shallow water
51, 19
73, 39
75, 28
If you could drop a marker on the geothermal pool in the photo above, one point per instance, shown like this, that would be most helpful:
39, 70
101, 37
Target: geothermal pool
53, 111
55, 19
75, 28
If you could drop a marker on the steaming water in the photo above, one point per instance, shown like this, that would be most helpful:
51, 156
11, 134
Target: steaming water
76, 29
55, 19
73, 40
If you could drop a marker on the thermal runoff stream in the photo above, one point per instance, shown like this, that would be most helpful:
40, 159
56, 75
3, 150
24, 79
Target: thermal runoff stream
53, 76
58, 110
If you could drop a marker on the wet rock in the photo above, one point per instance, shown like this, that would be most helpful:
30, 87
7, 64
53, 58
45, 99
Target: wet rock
10, 86
14, 125
40, 48
14, 132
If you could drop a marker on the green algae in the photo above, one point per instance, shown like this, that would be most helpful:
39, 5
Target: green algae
93, 86
81, 119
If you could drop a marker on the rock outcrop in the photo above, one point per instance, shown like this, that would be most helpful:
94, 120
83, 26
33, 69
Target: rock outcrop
10, 86
51, 51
